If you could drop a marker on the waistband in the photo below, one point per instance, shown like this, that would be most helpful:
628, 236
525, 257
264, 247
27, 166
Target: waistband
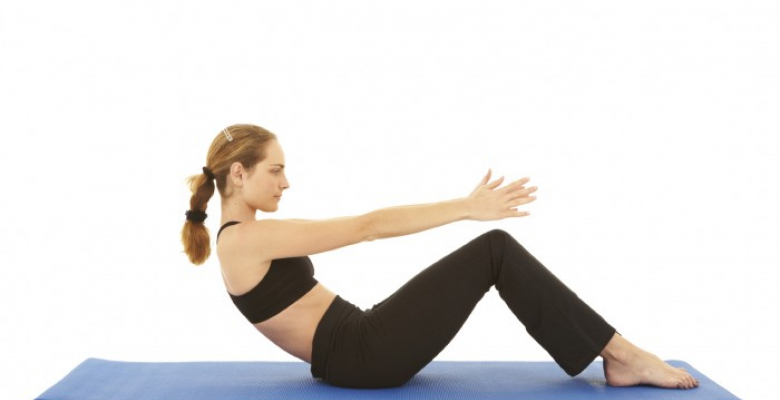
323, 334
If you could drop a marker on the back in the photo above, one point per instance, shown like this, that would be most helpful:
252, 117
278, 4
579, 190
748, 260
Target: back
287, 280
284, 282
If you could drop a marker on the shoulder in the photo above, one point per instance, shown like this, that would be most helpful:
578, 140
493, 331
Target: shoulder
269, 239
232, 245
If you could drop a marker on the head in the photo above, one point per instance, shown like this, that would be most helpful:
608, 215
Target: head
248, 169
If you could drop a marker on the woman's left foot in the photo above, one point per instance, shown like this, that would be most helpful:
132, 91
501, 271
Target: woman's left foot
628, 365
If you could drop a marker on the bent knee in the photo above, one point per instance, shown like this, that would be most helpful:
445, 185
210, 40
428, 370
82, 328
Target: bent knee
497, 232
498, 235
502, 238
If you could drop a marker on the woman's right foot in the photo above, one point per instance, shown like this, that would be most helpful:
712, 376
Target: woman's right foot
628, 365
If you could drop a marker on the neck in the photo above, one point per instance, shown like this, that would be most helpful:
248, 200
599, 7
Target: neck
232, 211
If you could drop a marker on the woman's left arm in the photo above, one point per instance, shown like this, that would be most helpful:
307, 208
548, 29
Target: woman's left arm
483, 204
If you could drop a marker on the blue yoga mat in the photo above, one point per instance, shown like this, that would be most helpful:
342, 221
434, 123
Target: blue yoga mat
97, 379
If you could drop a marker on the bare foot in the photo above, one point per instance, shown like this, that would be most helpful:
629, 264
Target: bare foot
628, 365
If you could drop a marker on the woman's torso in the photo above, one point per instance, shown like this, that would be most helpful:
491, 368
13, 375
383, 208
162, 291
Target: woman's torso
293, 328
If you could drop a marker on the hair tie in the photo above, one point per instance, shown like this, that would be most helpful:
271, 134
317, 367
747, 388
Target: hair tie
196, 216
208, 173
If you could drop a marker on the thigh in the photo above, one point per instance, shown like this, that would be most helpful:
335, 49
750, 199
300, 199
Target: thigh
413, 325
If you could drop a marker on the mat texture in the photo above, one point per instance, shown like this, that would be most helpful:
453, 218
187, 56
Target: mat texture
97, 379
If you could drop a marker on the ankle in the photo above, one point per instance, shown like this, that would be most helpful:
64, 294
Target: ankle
616, 349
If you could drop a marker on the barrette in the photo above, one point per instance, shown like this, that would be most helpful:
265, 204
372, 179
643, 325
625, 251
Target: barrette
227, 135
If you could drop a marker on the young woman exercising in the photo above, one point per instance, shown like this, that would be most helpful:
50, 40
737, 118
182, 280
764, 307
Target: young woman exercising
270, 278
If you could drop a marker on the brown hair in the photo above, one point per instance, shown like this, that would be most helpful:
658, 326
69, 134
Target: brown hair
247, 146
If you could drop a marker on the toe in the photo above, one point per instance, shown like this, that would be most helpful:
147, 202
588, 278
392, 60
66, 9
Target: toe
684, 382
694, 383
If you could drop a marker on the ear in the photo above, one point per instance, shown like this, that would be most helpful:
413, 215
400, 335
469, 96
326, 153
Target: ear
236, 174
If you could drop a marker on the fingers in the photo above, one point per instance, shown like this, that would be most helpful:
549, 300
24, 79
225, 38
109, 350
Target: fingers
516, 189
495, 183
486, 178
521, 191
516, 185
515, 213
530, 190
522, 200
510, 188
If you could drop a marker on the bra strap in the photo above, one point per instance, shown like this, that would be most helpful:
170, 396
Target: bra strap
229, 223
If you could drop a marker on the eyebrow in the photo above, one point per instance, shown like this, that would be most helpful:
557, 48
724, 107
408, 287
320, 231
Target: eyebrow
277, 165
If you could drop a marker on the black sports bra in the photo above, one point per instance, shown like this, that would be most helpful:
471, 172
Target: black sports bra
287, 280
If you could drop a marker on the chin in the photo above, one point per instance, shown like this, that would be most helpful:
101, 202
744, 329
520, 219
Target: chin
270, 209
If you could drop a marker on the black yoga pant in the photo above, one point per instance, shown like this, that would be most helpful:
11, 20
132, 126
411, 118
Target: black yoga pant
386, 345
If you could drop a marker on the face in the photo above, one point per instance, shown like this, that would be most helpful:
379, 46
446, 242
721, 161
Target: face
264, 184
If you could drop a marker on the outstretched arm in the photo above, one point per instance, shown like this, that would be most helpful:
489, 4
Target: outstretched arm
405, 220
269, 239
482, 204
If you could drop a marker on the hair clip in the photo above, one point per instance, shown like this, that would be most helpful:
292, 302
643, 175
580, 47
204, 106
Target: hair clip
227, 135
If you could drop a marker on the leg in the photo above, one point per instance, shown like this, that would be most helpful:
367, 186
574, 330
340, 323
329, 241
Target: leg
407, 330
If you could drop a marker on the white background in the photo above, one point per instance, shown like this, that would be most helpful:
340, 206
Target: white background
651, 129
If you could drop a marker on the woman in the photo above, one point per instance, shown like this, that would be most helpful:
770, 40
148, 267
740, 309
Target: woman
269, 277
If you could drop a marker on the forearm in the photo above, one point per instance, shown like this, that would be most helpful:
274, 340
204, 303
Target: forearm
405, 220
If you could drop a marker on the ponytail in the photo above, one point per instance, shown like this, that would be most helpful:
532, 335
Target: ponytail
242, 143
194, 234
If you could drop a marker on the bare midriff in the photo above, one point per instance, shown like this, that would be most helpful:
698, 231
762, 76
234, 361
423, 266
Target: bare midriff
293, 328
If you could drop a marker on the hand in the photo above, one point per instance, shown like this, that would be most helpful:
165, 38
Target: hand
487, 204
